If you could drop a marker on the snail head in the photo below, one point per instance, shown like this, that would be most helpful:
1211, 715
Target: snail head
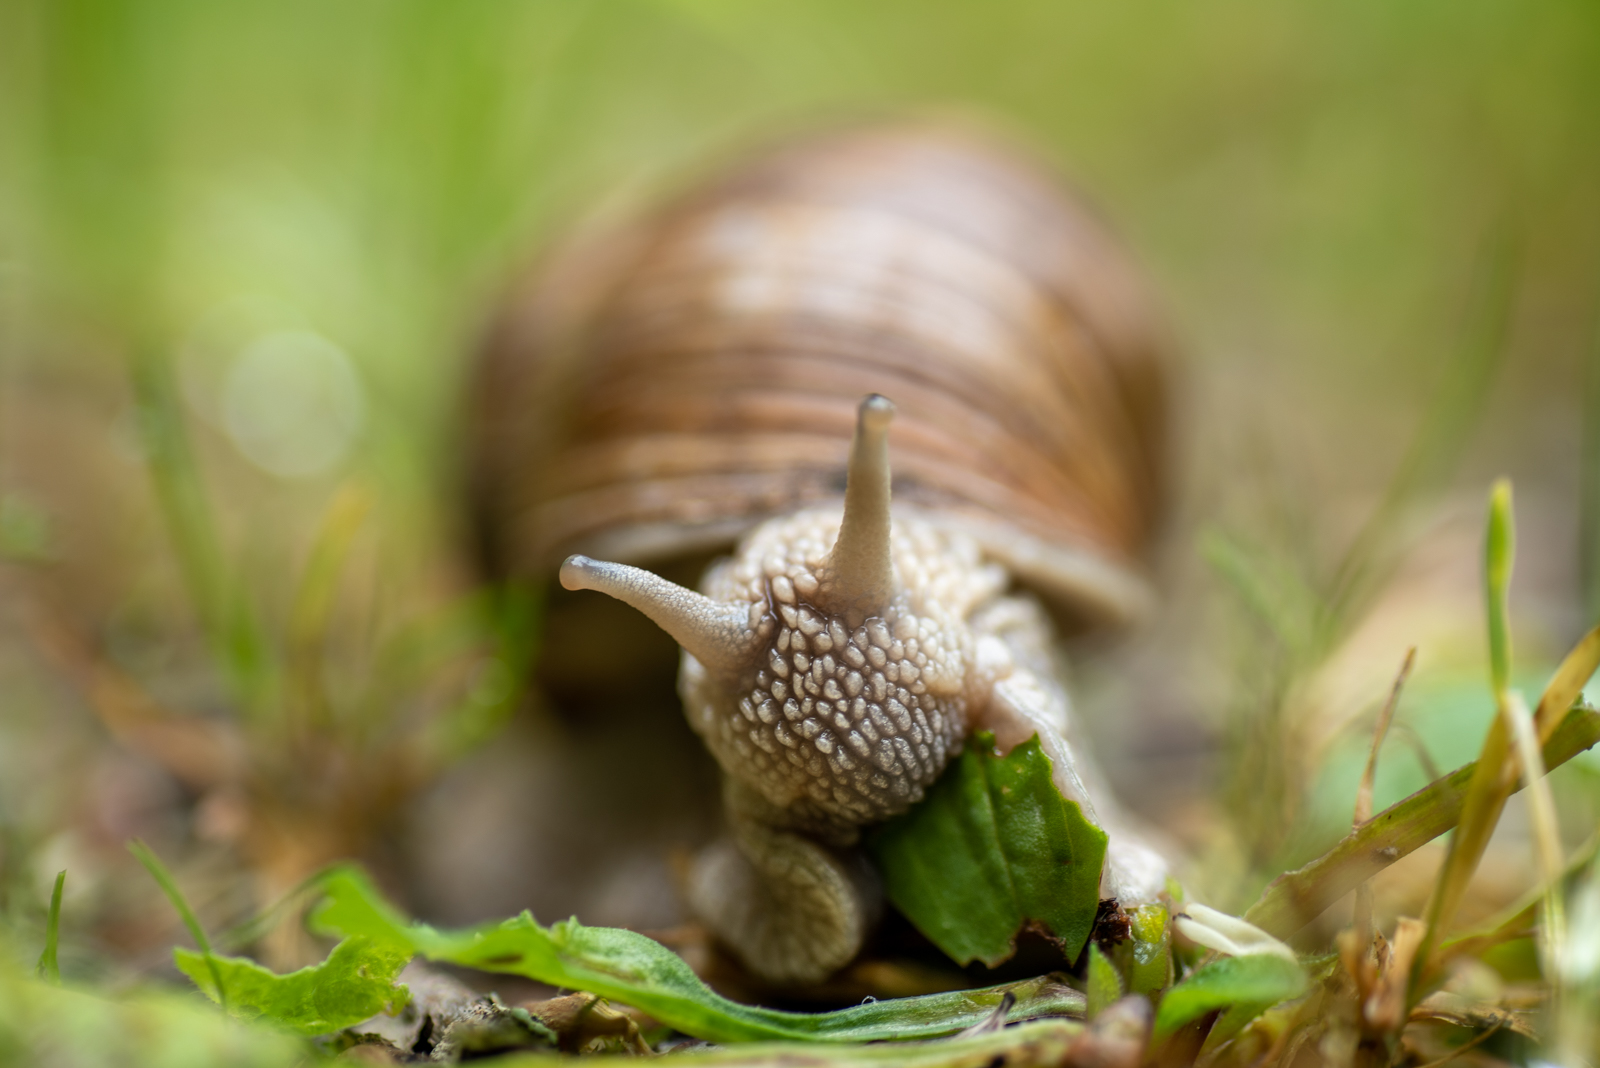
827, 665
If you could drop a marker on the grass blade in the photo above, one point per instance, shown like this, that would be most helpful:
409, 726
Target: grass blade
169, 886
1364, 791
232, 631
48, 969
1499, 550
1566, 686
1577, 994
1452, 415
313, 601
1547, 832
1517, 919
1589, 493
1295, 898
1494, 777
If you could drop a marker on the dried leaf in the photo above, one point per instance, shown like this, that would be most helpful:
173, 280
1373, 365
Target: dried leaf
1385, 1006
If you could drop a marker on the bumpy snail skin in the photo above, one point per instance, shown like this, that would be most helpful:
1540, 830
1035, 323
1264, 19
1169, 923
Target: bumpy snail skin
833, 666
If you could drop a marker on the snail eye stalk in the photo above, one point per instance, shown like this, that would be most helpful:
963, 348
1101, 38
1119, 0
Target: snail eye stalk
859, 577
718, 635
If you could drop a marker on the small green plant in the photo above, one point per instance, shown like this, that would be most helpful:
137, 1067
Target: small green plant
48, 968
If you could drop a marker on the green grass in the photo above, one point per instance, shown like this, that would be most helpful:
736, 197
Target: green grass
49, 968
180, 904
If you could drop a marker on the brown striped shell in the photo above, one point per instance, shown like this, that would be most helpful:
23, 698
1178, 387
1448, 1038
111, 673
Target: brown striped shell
659, 389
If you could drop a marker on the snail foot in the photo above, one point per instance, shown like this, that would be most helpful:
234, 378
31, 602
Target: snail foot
793, 911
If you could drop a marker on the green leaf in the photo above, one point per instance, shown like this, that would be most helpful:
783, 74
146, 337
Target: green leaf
356, 982
1256, 982
1150, 969
993, 846
1105, 985
627, 967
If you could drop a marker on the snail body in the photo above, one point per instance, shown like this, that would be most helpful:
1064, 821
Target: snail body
696, 381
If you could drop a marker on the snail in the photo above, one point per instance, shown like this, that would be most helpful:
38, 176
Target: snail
726, 374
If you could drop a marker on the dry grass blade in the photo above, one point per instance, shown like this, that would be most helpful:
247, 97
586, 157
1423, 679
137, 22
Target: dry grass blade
1474, 1041
1567, 684
232, 629
313, 603
1419, 749
1547, 832
1385, 1008
1363, 903
1517, 919
1379, 732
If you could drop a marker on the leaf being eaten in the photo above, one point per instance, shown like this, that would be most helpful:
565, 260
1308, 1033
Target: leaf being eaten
992, 848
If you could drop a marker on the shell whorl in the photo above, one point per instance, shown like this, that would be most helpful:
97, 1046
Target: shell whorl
662, 388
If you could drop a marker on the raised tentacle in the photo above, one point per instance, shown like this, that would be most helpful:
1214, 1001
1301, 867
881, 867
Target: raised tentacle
720, 636
859, 578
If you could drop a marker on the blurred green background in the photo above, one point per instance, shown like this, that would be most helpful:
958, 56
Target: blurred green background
247, 249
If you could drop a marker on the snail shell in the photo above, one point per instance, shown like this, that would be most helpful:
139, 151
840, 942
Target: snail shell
658, 390
696, 379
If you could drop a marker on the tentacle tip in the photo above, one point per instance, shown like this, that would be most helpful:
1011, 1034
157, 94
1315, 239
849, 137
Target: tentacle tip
576, 571
875, 412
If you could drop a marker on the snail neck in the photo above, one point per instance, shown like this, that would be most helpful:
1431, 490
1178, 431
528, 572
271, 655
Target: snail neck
859, 577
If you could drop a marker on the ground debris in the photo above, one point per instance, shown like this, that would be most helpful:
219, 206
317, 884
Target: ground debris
444, 1021
583, 1021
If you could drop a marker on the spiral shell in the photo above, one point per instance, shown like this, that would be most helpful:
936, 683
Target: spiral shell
660, 388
